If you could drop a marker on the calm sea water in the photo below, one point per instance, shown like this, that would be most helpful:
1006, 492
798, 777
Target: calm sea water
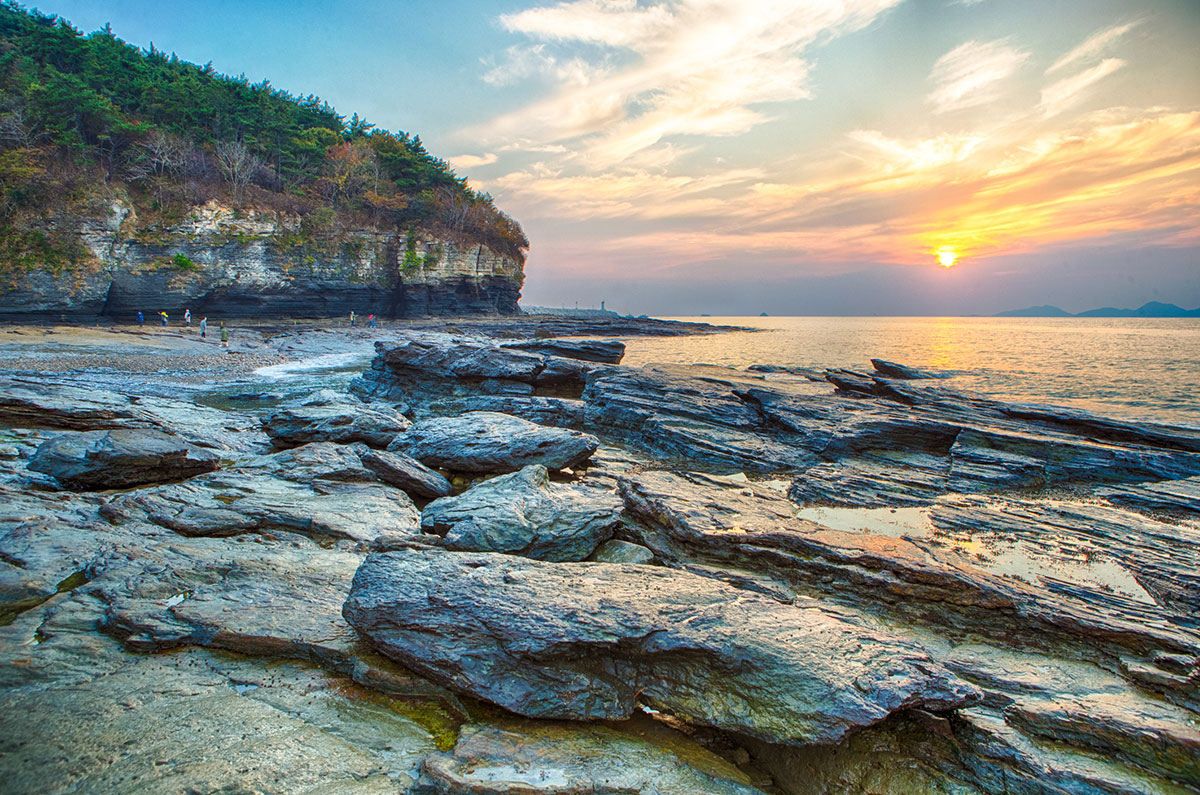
1143, 369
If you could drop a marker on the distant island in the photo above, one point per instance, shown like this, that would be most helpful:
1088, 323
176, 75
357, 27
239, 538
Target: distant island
1151, 309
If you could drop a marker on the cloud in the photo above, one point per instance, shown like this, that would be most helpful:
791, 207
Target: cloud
1093, 46
472, 161
900, 201
616, 23
637, 195
971, 74
1057, 96
644, 73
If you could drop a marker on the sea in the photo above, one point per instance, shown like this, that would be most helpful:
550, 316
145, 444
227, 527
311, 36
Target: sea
1141, 369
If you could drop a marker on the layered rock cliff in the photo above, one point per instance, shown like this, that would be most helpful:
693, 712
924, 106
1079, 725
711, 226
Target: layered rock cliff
220, 261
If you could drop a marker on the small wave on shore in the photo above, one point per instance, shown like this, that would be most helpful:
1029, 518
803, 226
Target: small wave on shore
329, 362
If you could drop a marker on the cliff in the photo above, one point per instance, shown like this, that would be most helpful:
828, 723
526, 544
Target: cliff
220, 261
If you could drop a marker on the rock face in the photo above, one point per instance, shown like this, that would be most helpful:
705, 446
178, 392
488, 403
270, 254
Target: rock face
246, 264
333, 417
525, 514
484, 441
95, 460
589, 640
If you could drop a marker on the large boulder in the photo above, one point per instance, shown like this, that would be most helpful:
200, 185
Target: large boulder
120, 458
330, 416
592, 640
490, 442
525, 514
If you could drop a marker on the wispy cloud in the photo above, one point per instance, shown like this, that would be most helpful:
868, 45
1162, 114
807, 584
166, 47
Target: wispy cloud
971, 74
473, 161
689, 67
1093, 46
903, 200
637, 195
1058, 96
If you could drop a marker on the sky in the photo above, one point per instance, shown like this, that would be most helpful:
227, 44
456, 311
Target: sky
733, 157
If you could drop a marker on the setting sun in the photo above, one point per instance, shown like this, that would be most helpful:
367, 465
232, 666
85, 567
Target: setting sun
947, 256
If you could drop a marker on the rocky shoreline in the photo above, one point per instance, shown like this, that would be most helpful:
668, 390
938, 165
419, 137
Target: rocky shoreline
502, 562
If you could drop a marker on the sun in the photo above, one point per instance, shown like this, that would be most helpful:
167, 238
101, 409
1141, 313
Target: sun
947, 256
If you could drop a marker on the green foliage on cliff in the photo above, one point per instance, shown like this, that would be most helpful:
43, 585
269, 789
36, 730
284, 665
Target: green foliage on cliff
88, 118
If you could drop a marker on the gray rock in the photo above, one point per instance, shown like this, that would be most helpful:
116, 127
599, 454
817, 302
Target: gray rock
420, 366
618, 551
1154, 736
1179, 497
406, 473
250, 501
902, 371
95, 460
319, 461
555, 411
484, 441
43, 404
544, 758
589, 640
332, 417
525, 514
940, 572
603, 351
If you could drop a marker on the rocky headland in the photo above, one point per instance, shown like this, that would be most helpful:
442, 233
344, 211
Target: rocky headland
228, 262
499, 561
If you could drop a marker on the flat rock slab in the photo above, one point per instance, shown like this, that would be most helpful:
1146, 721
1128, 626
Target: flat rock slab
1180, 497
26, 403
604, 351
237, 502
591, 640
489, 442
1158, 737
563, 759
332, 417
95, 460
523, 513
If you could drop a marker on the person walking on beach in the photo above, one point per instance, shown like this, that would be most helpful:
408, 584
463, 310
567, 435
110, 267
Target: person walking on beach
141, 319
371, 320
163, 315
224, 335
351, 318
187, 318
203, 327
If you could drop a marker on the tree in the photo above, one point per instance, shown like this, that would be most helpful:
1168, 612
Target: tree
237, 164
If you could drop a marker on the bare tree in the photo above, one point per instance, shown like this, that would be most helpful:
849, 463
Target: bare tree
238, 164
157, 159
16, 128
157, 156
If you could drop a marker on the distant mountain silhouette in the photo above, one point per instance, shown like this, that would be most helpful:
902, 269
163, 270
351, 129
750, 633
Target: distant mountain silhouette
1046, 310
1152, 309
